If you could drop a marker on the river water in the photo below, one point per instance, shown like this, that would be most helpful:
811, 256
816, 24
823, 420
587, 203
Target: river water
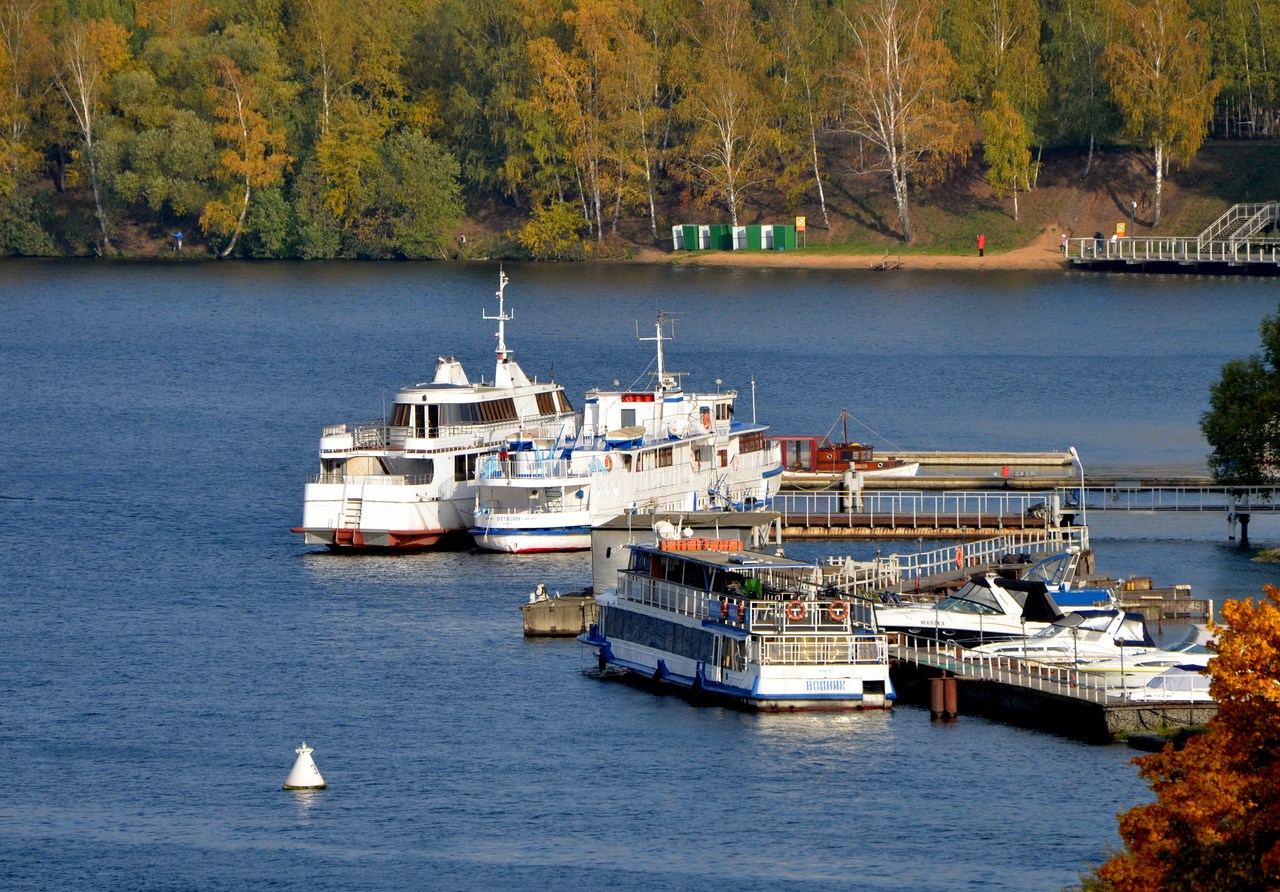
167, 642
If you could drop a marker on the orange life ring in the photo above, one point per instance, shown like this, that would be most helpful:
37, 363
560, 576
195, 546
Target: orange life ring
706, 420
608, 462
838, 611
959, 558
795, 610
724, 609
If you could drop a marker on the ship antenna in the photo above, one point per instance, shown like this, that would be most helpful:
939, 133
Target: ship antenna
502, 316
665, 381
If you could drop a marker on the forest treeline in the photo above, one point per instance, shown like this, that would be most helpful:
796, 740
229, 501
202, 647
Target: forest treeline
366, 128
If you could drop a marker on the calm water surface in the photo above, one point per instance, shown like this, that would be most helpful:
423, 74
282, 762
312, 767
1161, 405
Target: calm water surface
167, 642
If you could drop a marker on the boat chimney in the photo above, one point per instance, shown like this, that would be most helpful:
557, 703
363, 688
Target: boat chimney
305, 775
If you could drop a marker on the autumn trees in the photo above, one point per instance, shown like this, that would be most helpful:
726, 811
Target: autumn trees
1215, 823
286, 127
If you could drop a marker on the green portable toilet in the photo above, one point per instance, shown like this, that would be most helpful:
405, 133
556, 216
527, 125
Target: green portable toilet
784, 237
721, 237
690, 237
754, 238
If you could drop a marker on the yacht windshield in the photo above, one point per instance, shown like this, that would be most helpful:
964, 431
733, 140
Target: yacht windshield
971, 598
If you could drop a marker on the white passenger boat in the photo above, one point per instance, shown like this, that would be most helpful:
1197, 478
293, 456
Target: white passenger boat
638, 451
407, 482
706, 618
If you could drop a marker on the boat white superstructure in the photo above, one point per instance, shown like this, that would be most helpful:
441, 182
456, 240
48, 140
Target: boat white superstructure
707, 618
638, 451
405, 482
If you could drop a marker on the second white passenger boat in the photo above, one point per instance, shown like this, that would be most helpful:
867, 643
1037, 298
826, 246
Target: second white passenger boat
748, 629
638, 451
406, 482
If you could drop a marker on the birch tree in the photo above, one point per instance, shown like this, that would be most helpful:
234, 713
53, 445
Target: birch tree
253, 157
23, 60
894, 96
806, 48
88, 54
1158, 71
725, 107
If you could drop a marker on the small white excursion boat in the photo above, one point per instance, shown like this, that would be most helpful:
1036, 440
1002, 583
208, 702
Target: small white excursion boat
405, 482
638, 451
709, 619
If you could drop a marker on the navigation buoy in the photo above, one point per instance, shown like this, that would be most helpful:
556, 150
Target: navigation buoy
305, 775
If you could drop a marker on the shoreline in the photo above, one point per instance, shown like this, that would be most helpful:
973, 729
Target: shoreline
1041, 254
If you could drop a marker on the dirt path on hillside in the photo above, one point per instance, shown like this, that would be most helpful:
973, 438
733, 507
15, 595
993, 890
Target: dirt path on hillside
1043, 253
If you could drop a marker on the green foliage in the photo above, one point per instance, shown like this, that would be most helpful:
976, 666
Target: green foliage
554, 233
22, 232
1243, 421
356, 128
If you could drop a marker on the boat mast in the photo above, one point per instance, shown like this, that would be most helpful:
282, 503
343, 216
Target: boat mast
501, 318
665, 382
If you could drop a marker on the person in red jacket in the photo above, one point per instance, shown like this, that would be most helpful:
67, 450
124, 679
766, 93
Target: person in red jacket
982, 244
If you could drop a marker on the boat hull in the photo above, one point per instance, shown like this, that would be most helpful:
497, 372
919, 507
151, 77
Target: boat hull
531, 541
386, 517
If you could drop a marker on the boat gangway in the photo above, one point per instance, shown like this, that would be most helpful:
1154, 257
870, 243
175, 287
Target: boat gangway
939, 567
1244, 240
1028, 693
916, 514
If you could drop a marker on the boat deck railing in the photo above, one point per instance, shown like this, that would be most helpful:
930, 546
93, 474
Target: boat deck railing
778, 616
380, 435
808, 650
373, 479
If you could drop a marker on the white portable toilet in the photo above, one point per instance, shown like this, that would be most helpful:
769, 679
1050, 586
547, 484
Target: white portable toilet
677, 238
739, 238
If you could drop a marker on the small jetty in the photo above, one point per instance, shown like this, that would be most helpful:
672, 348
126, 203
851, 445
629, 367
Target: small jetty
1243, 241
555, 615
1034, 695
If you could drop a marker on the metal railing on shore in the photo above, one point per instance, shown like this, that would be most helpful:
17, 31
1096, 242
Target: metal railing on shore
1047, 677
1183, 250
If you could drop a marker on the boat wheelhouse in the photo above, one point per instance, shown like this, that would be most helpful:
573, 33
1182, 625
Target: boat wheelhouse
406, 482
709, 619
638, 451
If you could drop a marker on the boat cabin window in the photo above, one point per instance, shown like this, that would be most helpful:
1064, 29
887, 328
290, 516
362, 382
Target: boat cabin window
401, 415
752, 442
628, 417
552, 402
464, 466
723, 455
488, 412
663, 457
724, 411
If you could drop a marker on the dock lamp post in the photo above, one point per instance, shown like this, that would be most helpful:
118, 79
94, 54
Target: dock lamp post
1075, 457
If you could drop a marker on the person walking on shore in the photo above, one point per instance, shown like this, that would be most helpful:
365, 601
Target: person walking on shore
982, 244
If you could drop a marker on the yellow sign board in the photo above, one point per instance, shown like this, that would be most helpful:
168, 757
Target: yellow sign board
1120, 229
799, 224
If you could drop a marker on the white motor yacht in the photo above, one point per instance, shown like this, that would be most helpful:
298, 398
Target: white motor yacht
406, 481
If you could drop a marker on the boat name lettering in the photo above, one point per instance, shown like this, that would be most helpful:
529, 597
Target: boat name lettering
824, 684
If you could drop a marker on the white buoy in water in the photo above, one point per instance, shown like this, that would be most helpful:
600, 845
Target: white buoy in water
305, 775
